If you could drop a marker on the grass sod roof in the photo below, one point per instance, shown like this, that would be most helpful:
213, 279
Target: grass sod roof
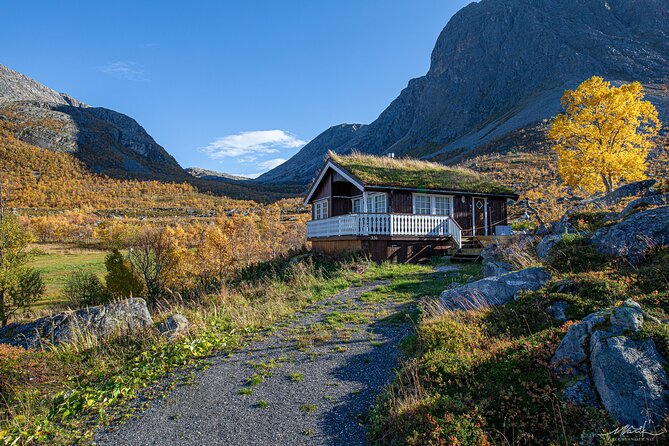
412, 173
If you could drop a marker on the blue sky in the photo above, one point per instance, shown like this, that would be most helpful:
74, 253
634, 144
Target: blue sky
234, 86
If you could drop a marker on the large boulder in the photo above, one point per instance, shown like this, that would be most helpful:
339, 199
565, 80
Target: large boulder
636, 235
123, 317
640, 203
604, 358
495, 290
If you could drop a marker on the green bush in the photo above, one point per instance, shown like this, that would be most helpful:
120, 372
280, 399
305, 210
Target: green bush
653, 274
122, 280
590, 292
574, 254
83, 288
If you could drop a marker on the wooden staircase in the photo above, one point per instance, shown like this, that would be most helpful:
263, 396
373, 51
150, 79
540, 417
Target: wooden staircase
470, 251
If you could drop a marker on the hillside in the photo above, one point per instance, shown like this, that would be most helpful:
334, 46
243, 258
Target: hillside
104, 140
501, 65
34, 178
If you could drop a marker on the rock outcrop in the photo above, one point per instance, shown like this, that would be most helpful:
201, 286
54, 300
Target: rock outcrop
493, 71
643, 202
495, 290
123, 317
603, 358
546, 244
493, 262
635, 236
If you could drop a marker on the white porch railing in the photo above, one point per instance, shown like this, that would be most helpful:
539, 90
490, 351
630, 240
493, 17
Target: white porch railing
386, 224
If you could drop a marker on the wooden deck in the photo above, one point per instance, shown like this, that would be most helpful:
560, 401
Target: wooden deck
385, 226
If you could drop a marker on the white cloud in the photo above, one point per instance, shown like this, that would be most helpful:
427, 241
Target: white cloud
271, 164
125, 69
246, 144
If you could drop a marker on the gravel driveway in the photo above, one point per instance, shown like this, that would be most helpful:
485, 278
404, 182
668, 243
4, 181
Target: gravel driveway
309, 382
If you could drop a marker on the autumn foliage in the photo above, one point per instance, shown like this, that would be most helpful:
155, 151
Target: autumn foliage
604, 135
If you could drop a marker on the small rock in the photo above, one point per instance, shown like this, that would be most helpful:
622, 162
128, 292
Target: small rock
546, 244
558, 310
652, 200
174, 326
496, 268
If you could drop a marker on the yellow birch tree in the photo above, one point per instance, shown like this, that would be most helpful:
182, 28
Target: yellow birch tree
604, 135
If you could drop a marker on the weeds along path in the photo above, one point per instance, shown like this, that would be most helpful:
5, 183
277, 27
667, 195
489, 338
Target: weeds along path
309, 381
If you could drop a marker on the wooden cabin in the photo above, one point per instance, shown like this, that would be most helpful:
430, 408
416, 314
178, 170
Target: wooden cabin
401, 209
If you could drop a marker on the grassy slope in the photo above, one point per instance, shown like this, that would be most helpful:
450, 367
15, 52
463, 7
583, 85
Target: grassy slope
483, 377
57, 262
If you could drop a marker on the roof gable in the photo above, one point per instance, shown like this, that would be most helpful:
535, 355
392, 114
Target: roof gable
330, 165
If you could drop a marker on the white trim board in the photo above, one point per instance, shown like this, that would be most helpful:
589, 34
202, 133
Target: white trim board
337, 169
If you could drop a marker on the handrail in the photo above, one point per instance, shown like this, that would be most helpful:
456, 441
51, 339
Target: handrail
371, 224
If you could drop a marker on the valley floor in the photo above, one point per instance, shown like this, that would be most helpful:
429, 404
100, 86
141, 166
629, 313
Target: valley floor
311, 380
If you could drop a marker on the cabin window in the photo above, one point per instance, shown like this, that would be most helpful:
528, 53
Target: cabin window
356, 205
424, 204
377, 204
321, 210
442, 205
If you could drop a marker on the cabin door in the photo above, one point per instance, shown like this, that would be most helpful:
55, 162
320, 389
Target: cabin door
479, 216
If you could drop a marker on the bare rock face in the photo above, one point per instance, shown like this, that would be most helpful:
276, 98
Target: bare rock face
495, 290
501, 65
123, 317
635, 236
603, 358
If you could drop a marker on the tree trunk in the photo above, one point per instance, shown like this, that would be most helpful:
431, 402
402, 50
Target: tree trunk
3, 316
608, 183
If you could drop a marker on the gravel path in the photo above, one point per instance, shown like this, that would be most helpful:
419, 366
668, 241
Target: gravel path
315, 378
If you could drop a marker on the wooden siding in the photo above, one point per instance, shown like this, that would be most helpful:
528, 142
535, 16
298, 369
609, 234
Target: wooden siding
496, 214
400, 251
324, 191
462, 213
401, 202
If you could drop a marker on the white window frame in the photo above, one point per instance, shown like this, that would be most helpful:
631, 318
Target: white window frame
421, 196
321, 209
360, 201
433, 206
372, 197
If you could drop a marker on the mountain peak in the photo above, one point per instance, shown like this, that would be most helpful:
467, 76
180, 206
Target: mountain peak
16, 87
500, 65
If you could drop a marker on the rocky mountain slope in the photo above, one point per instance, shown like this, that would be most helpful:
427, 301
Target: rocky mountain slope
106, 141
207, 174
501, 65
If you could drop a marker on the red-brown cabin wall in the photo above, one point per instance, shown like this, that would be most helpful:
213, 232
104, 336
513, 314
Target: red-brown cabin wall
401, 202
323, 191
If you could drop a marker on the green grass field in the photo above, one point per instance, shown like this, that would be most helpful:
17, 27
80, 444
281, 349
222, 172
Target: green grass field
57, 262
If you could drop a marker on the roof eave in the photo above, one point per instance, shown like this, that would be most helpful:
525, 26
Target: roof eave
513, 196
